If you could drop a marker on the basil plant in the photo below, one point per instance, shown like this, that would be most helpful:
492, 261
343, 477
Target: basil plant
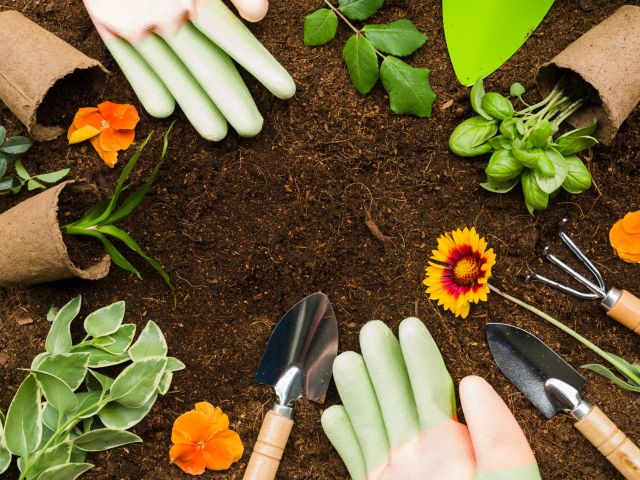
66, 407
522, 144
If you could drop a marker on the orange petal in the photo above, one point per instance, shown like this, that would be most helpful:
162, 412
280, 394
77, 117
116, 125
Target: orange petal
81, 134
628, 257
113, 140
621, 240
189, 458
631, 223
192, 427
109, 158
88, 116
206, 408
120, 116
222, 450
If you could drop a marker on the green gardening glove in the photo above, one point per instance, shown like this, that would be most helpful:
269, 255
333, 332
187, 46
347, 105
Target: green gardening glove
399, 415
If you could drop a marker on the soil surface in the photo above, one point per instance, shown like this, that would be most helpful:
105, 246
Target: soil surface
248, 227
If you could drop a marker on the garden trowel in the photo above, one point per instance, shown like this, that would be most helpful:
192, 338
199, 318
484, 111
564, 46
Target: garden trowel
483, 34
553, 386
297, 363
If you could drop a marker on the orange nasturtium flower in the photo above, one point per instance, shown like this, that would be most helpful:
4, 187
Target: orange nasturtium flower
625, 237
460, 270
109, 127
202, 439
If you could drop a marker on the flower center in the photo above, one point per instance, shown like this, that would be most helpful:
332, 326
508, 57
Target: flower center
466, 271
104, 125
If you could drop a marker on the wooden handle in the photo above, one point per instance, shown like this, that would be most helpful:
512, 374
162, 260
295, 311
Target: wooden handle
269, 447
611, 442
627, 311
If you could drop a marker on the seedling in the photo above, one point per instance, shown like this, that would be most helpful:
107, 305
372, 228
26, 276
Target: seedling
408, 87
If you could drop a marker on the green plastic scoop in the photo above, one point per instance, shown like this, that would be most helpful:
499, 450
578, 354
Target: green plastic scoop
483, 34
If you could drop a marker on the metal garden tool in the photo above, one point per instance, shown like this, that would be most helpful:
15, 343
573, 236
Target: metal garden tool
297, 363
553, 386
619, 304
483, 34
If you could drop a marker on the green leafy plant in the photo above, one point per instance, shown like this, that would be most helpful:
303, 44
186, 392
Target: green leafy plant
66, 407
522, 144
408, 87
99, 221
10, 149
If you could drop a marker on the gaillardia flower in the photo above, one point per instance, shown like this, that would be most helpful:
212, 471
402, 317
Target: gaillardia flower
459, 271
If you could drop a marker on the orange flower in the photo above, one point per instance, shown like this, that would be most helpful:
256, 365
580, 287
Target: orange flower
625, 237
202, 439
109, 128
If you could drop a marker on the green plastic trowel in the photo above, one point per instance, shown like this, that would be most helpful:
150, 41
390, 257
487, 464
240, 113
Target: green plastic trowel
483, 34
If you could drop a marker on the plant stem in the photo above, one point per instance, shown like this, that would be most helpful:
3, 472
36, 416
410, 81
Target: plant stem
570, 110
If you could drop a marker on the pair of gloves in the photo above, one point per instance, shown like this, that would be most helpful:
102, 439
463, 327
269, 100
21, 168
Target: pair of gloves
181, 51
399, 420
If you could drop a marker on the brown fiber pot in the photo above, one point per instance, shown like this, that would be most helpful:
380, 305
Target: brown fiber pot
33, 250
32, 61
607, 58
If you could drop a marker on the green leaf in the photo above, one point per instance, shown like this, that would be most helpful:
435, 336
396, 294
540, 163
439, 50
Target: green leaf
59, 337
534, 197
578, 177
516, 90
21, 171
33, 185
497, 106
469, 138
476, 95
408, 87
91, 215
500, 142
113, 252
165, 383
551, 184
572, 145
150, 344
3, 167
69, 367
16, 145
70, 471
540, 135
57, 393
174, 365
114, 415
137, 383
529, 157
509, 129
99, 358
23, 428
320, 27
400, 38
51, 457
5, 454
53, 177
503, 167
362, 63
581, 132
104, 439
121, 339
51, 418
359, 9
98, 382
51, 314
605, 372
88, 404
3, 134
105, 321
500, 187
6, 184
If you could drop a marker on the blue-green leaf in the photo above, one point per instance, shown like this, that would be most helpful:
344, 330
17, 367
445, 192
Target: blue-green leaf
16, 145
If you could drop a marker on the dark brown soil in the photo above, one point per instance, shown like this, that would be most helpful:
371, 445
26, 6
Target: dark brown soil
248, 227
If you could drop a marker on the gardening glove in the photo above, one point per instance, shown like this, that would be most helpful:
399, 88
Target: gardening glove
180, 51
399, 415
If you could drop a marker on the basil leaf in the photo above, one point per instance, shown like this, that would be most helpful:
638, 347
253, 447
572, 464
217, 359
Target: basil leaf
578, 177
540, 135
534, 197
469, 138
500, 187
550, 184
528, 157
581, 132
362, 63
497, 106
508, 128
408, 87
320, 27
477, 93
503, 167
516, 90
400, 38
572, 145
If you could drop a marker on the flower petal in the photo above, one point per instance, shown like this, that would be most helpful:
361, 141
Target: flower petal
88, 116
189, 458
113, 140
631, 223
77, 135
222, 450
192, 427
621, 240
109, 158
120, 116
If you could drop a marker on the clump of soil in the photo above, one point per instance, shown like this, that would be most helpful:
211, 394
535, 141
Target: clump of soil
84, 251
67, 95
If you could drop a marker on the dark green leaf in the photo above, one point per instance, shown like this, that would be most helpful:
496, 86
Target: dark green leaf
500, 187
320, 27
408, 87
23, 427
6, 184
469, 139
3, 167
399, 38
90, 216
16, 145
503, 167
360, 9
578, 177
113, 252
3, 134
497, 106
362, 63
534, 197
476, 95
605, 372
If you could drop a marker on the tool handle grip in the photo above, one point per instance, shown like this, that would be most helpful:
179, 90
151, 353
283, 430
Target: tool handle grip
627, 311
603, 434
269, 447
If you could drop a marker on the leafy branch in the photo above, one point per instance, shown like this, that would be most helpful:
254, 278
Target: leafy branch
408, 87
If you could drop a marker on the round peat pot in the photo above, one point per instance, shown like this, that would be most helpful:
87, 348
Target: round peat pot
33, 248
604, 64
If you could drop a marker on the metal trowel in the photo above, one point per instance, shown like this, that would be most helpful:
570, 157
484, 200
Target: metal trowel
297, 363
483, 34
553, 386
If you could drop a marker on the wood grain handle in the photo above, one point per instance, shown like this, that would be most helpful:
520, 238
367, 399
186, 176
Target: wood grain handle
611, 442
627, 311
269, 447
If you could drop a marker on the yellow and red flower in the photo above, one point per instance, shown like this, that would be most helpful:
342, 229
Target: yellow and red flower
109, 127
459, 271
625, 237
202, 439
